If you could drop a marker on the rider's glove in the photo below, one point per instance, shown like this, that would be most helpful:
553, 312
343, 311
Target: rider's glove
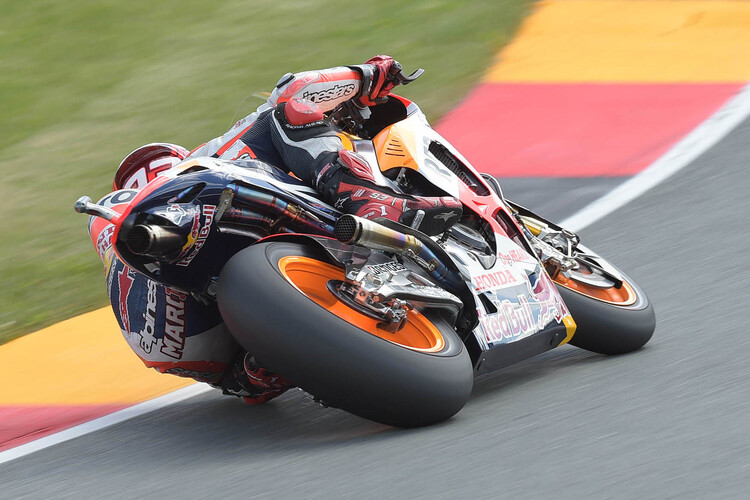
378, 79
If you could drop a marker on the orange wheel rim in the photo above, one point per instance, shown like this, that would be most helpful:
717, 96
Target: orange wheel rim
310, 277
623, 296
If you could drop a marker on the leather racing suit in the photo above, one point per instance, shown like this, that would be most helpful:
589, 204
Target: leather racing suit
289, 131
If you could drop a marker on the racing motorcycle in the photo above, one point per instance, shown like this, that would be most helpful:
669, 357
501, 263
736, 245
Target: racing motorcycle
369, 315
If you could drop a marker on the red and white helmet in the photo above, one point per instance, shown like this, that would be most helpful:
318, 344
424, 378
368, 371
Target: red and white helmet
146, 163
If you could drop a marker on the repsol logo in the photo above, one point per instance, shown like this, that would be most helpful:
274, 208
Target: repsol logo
336, 92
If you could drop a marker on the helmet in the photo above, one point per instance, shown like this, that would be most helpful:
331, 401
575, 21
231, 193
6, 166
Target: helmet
146, 163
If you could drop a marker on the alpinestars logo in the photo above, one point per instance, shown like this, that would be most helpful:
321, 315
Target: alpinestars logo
148, 332
337, 92
446, 216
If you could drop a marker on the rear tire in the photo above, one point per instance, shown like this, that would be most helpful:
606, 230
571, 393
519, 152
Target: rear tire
336, 361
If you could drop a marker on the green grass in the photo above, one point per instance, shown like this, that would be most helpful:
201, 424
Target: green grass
83, 83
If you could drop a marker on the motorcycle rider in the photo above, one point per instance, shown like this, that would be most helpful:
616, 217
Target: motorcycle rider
169, 330
289, 131
179, 334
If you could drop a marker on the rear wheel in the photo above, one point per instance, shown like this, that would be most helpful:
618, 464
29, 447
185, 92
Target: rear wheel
274, 299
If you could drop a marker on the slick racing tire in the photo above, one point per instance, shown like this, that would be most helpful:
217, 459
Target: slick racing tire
274, 300
609, 320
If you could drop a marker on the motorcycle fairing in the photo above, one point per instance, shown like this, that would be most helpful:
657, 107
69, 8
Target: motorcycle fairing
519, 304
407, 144
514, 296
514, 305
515, 299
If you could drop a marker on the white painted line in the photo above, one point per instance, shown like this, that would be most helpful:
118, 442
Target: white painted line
104, 422
707, 134
697, 142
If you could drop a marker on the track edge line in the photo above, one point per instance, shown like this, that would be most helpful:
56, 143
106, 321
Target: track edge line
701, 139
697, 142
104, 422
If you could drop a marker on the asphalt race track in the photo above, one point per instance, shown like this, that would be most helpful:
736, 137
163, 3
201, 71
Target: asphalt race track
670, 421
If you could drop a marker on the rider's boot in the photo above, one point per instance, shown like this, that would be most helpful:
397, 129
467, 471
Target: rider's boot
251, 382
349, 185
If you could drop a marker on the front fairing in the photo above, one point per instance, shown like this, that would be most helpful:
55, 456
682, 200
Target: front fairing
517, 303
515, 298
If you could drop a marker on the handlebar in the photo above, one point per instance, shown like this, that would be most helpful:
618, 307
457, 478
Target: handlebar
350, 116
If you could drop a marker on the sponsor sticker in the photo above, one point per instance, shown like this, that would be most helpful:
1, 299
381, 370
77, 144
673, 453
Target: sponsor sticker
336, 92
513, 256
147, 333
494, 280
125, 279
177, 213
104, 240
520, 318
388, 267
173, 342
512, 320
208, 219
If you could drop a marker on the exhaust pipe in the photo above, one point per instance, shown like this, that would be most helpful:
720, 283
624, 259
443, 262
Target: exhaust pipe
354, 230
144, 239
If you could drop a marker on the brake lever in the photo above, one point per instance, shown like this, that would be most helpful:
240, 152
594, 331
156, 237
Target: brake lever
396, 74
406, 80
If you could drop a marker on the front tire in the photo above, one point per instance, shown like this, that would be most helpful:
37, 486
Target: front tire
609, 320
272, 301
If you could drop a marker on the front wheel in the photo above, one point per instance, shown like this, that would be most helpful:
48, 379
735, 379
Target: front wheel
609, 319
273, 298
